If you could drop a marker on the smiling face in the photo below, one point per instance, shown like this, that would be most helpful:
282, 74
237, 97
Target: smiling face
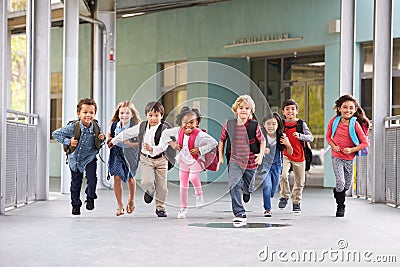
86, 114
290, 112
125, 115
153, 118
347, 109
189, 122
271, 126
243, 111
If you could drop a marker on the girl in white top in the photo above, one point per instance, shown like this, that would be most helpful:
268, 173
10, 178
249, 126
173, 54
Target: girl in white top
190, 159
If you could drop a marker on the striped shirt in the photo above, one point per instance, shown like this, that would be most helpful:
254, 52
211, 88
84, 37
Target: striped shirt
240, 149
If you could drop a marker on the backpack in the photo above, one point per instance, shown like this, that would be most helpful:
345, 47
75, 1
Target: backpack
211, 157
68, 149
251, 134
352, 132
306, 145
170, 153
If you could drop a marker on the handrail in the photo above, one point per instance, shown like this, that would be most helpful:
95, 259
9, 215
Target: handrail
28, 118
392, 121
16, 112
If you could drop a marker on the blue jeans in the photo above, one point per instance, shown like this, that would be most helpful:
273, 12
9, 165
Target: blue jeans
239, 179
270, 180
76, 183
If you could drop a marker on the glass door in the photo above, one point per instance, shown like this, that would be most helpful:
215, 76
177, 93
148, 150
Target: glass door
310, 97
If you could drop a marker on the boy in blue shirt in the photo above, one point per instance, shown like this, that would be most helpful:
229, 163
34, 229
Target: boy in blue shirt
83, 158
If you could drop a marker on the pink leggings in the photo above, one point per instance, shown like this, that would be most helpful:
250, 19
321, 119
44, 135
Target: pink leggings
189, 172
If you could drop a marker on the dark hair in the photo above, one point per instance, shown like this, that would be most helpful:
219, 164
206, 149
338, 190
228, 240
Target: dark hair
289, 102
359, 113
279, 130
185, 111
154, 106
86, 101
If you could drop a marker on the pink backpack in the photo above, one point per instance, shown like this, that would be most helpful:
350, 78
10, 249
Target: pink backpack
211, 158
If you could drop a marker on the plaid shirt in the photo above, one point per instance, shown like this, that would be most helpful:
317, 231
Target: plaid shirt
241, 153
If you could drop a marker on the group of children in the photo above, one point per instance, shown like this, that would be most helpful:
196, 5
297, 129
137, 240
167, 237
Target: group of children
268, 151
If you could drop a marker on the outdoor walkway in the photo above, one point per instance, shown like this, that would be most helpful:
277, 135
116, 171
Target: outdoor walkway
45, 234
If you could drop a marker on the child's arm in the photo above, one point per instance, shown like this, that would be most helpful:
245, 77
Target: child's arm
261, 139
285, 141
363, 141
167, 138
64, 135
328, 137
306, 135
206, 144
221, 144
125, 135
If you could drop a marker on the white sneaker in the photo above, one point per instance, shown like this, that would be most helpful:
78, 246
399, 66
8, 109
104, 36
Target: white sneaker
182, 214
199, 201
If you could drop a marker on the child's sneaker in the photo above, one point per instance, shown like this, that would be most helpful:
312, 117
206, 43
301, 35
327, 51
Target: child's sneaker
89, 204
76, 210
240, 218
296, 207
267, 213
182, 214
161, 213
246, 197
282, 202
199, 201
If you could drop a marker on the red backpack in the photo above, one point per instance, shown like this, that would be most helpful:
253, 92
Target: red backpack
211, 157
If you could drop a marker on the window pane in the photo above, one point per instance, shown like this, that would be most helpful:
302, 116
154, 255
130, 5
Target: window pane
368, 58
396, 96
181, 73
396, 55
366, 96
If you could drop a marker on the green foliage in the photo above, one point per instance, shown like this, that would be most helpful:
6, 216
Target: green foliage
18, 73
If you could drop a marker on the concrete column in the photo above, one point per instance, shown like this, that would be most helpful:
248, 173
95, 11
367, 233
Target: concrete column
347, 39
104, 80
41, 48
70, 76
382, 84
3, 97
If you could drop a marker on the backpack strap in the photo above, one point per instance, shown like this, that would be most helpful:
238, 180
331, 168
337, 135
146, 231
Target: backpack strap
113, 127
96, 130
192, 138
251, 134
77, 135
335, 124
142, 129
352, 131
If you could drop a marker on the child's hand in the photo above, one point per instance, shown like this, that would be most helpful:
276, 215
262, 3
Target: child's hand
101, 136
267, 150
259, 158
195, 151
348, 150
285, 141
148, 147
109, 143
296, 135
335, 148
74, 142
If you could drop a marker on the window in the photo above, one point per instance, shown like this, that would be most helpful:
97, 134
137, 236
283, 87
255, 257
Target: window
367, 74
56, 101
173, 88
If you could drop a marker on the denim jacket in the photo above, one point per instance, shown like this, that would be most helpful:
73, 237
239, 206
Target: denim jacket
86, 150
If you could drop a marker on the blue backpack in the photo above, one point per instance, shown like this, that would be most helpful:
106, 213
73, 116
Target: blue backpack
353, 134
